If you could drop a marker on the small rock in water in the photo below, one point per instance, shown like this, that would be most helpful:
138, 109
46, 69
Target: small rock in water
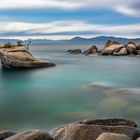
112, 136
32, 135
102, 86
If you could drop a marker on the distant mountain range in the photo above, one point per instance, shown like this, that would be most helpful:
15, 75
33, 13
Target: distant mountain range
76, 40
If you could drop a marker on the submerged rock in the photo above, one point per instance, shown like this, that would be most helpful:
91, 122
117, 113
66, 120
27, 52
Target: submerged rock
31, 135
75, 51
91, 50
20, 58
112, 136
100, 86
6, 134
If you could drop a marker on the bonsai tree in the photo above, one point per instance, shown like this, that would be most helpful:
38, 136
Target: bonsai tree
8, 45
19, 43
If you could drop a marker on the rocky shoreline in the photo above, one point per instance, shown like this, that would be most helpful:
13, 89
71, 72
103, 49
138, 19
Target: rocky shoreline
113, 48
91, 129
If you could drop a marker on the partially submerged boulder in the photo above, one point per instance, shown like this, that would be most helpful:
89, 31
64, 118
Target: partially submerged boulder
91, 50
31, 135
75, 51
112, 136
20, 57
92, 129
6, 134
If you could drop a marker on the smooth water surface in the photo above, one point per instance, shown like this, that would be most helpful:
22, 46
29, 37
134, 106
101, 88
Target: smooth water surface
48, 97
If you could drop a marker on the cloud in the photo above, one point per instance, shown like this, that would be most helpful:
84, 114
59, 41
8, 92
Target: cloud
126, 7
35, 4
67, 28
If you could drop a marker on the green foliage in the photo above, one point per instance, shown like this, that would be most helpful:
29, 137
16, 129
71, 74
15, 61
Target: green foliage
19, 43
8, 45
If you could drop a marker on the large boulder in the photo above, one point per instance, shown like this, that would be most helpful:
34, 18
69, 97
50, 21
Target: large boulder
6, 134
92, 130
112, 136
91, 50
75, 51
110, 42
20, 58
31, 135
131, 48
112, 47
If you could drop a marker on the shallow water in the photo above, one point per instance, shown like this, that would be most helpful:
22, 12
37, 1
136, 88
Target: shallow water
49, 97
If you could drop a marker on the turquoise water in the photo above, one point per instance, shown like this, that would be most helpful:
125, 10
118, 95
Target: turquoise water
49, 97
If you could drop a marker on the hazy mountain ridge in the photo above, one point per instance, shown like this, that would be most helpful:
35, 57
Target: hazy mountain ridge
76, 40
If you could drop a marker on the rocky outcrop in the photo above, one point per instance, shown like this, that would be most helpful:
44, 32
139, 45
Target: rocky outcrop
112, 136
6, 134
31, 135
93, 128
75, 51
112, 48
91, 50
20, 57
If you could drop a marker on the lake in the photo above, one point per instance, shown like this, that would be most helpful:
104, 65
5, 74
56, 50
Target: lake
48, 97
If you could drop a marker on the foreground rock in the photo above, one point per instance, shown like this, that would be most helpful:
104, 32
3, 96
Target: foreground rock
20, 57
6, 134
112, 136
91, 129
31, 135
75, 51
91, 50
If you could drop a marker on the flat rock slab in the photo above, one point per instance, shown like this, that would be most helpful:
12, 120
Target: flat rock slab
109, 121
6, 134
31, 135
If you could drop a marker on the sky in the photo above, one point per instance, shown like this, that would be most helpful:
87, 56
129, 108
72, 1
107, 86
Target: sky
64, 19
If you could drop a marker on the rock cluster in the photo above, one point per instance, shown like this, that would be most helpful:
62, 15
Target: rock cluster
20, 58
115, 48
111, 48
92, 129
